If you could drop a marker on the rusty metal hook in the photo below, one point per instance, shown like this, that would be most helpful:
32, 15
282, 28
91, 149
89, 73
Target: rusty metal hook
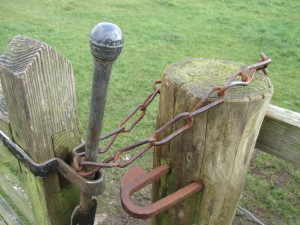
136, 178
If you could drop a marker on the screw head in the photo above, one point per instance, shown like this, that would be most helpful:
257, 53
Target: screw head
106, 41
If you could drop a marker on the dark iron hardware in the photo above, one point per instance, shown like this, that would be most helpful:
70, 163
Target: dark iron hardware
136, 178
106, 42
55, 165
240, 78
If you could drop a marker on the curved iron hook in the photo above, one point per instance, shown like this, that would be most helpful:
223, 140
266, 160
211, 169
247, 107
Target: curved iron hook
136, 178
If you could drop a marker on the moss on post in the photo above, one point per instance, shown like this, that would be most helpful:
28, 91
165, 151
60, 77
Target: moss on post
217, 149
39, 90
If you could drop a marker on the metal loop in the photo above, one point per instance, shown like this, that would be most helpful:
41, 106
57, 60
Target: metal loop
129, 161
135, 179
149, 99
155, 83
247, 75
121, 129
204, 108
176, 133
205, 98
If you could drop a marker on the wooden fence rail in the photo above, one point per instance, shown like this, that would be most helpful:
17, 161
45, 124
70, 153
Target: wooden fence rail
38, 111
280, 134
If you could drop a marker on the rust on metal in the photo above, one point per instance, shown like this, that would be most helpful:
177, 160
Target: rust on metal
241, 78
136, 178
121, 128
54, 165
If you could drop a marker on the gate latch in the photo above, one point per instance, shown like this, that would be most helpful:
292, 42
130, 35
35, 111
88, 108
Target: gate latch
54, 165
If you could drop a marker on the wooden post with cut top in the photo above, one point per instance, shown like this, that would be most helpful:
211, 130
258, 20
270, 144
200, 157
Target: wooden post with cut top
39, 91
217, 149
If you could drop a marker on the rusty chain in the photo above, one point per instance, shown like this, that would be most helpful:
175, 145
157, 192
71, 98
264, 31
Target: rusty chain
116, 159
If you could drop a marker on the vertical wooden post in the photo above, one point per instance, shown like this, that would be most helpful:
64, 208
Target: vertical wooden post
39, 90
217, 149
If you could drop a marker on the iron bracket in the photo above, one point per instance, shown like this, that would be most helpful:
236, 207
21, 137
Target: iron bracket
54, 165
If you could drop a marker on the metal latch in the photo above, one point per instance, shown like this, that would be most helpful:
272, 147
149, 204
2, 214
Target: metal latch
55, 165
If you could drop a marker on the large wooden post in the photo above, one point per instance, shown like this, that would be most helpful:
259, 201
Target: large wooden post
217, 149
38, 87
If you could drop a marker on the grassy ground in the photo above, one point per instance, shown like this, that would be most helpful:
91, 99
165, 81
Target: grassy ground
158, 33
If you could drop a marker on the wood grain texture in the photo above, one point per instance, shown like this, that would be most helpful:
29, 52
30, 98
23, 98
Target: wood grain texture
2, 222
8, 214
11, 180
4, 120
280, 134
12, 183
217, 149
3, 107
38, 87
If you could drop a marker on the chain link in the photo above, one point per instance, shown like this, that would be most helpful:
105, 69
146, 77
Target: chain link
246, 75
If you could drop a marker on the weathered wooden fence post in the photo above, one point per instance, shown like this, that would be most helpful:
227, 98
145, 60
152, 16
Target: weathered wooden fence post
217, 149
280, 134
39, 91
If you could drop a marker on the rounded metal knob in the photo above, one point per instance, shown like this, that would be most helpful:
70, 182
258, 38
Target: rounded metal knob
106, 41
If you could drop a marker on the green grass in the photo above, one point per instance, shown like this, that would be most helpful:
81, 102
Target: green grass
272, 190
158, 33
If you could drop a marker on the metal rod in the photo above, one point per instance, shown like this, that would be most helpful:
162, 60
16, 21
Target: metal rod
106, 42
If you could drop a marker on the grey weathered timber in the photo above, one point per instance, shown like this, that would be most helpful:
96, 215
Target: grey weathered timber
11, 180
2, 222
5, 128
4, 120
217, 149
8, 214
280, 134
12, 184
38, 87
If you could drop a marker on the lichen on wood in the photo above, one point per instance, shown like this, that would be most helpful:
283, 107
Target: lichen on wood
39, 91
217, 149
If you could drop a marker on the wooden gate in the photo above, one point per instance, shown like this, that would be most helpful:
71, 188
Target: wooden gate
38, 111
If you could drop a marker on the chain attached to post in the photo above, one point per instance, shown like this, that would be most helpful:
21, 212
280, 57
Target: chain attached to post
246, 76
138, 178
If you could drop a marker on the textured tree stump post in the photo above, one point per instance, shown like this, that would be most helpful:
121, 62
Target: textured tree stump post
217, 149
39, 90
